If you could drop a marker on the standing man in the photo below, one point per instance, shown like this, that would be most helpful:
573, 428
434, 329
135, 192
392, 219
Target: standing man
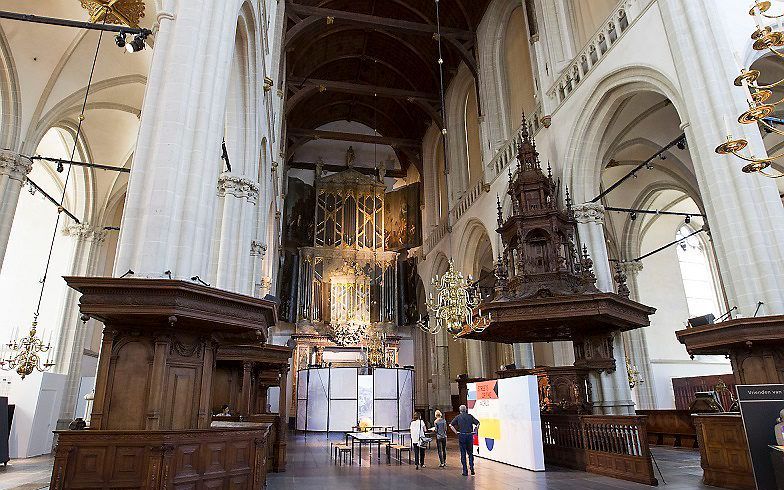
463, 425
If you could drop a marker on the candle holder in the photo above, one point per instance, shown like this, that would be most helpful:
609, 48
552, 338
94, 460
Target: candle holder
25, 357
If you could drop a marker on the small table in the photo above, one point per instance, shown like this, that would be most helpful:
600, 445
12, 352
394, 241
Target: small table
368, 438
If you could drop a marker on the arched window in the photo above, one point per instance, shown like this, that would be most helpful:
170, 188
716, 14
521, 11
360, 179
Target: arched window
519, 71
696, 274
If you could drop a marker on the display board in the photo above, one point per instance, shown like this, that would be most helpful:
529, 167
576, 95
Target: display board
762, 409
336, 399
510, 429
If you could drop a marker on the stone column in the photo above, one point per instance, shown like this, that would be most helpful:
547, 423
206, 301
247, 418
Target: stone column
440, 372
13, 169
611, 392
73, 331
524, 356
636, 345
475, 359
745, 212
234, 249
170, 207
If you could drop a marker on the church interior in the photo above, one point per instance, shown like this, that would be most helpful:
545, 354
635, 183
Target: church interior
284, 244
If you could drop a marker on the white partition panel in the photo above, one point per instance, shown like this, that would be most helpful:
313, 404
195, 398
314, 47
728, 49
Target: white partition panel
343, 384
318, 399
385, 384
386, 413
365, 398
302, 414
342, 415
405, 384
335, 399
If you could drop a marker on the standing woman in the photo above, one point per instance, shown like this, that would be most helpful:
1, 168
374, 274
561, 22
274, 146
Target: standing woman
440, 430
418, 430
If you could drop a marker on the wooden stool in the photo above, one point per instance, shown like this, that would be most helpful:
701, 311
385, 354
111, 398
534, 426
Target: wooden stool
341, 451
399, 448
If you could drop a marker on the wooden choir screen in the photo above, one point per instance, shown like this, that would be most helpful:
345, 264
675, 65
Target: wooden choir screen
685, 388
615, 446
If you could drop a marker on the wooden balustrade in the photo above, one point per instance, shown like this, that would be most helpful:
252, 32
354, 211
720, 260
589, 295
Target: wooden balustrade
612, 445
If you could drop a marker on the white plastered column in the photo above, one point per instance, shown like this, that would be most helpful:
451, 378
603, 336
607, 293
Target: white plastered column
637, 347
745, 212
171, 201
235, 248
611, 392
13, 171
524, 356
89, 241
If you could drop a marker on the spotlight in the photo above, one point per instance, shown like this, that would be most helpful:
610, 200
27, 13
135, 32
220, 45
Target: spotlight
633, 216
663, 156
688, 219
137, 44
681, 145
119, 39
60, 167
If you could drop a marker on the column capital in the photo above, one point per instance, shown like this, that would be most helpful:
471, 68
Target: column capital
631, 268
14, 165
85, 231
590, 212
238, 187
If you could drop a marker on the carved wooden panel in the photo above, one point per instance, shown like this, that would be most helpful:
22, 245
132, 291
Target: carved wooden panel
182, 390
723, 452
154, 460
130, 381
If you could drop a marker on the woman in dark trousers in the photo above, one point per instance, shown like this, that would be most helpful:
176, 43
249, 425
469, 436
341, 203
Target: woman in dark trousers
418, 429
439, 428
464, 426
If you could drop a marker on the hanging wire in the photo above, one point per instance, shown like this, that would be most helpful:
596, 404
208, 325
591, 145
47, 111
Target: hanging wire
442, 96
68, 173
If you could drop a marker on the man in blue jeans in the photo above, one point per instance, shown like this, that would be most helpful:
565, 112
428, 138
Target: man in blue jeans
463, 425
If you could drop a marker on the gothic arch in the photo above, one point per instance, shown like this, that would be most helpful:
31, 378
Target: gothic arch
10, 104
583, 171
457, 147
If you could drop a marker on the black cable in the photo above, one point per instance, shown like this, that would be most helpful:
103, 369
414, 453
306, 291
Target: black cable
623, 179
653, 211
68, 173
638, 259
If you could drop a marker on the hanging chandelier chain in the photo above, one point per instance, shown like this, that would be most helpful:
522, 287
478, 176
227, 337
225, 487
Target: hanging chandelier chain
26, 353
68, 172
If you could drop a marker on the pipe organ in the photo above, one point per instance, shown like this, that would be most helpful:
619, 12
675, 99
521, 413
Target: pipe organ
347, 281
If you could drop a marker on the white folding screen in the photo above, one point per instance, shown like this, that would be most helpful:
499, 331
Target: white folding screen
336, 399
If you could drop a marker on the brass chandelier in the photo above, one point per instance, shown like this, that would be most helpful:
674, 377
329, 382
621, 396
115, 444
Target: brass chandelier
25, 357
452, 307
758, 95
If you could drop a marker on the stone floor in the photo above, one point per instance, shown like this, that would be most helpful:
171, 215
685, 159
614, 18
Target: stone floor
26, 474
310, 467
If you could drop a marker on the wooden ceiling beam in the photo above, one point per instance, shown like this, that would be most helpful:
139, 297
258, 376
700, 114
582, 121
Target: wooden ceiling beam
339, 168
332, 15
315, 134
362, 89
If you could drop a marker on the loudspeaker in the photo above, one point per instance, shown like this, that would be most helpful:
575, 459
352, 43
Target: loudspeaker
699, 321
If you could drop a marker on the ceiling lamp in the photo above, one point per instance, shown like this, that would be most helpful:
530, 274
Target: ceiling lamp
757, 95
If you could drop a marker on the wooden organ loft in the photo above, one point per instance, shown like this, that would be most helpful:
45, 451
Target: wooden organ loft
347, 287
